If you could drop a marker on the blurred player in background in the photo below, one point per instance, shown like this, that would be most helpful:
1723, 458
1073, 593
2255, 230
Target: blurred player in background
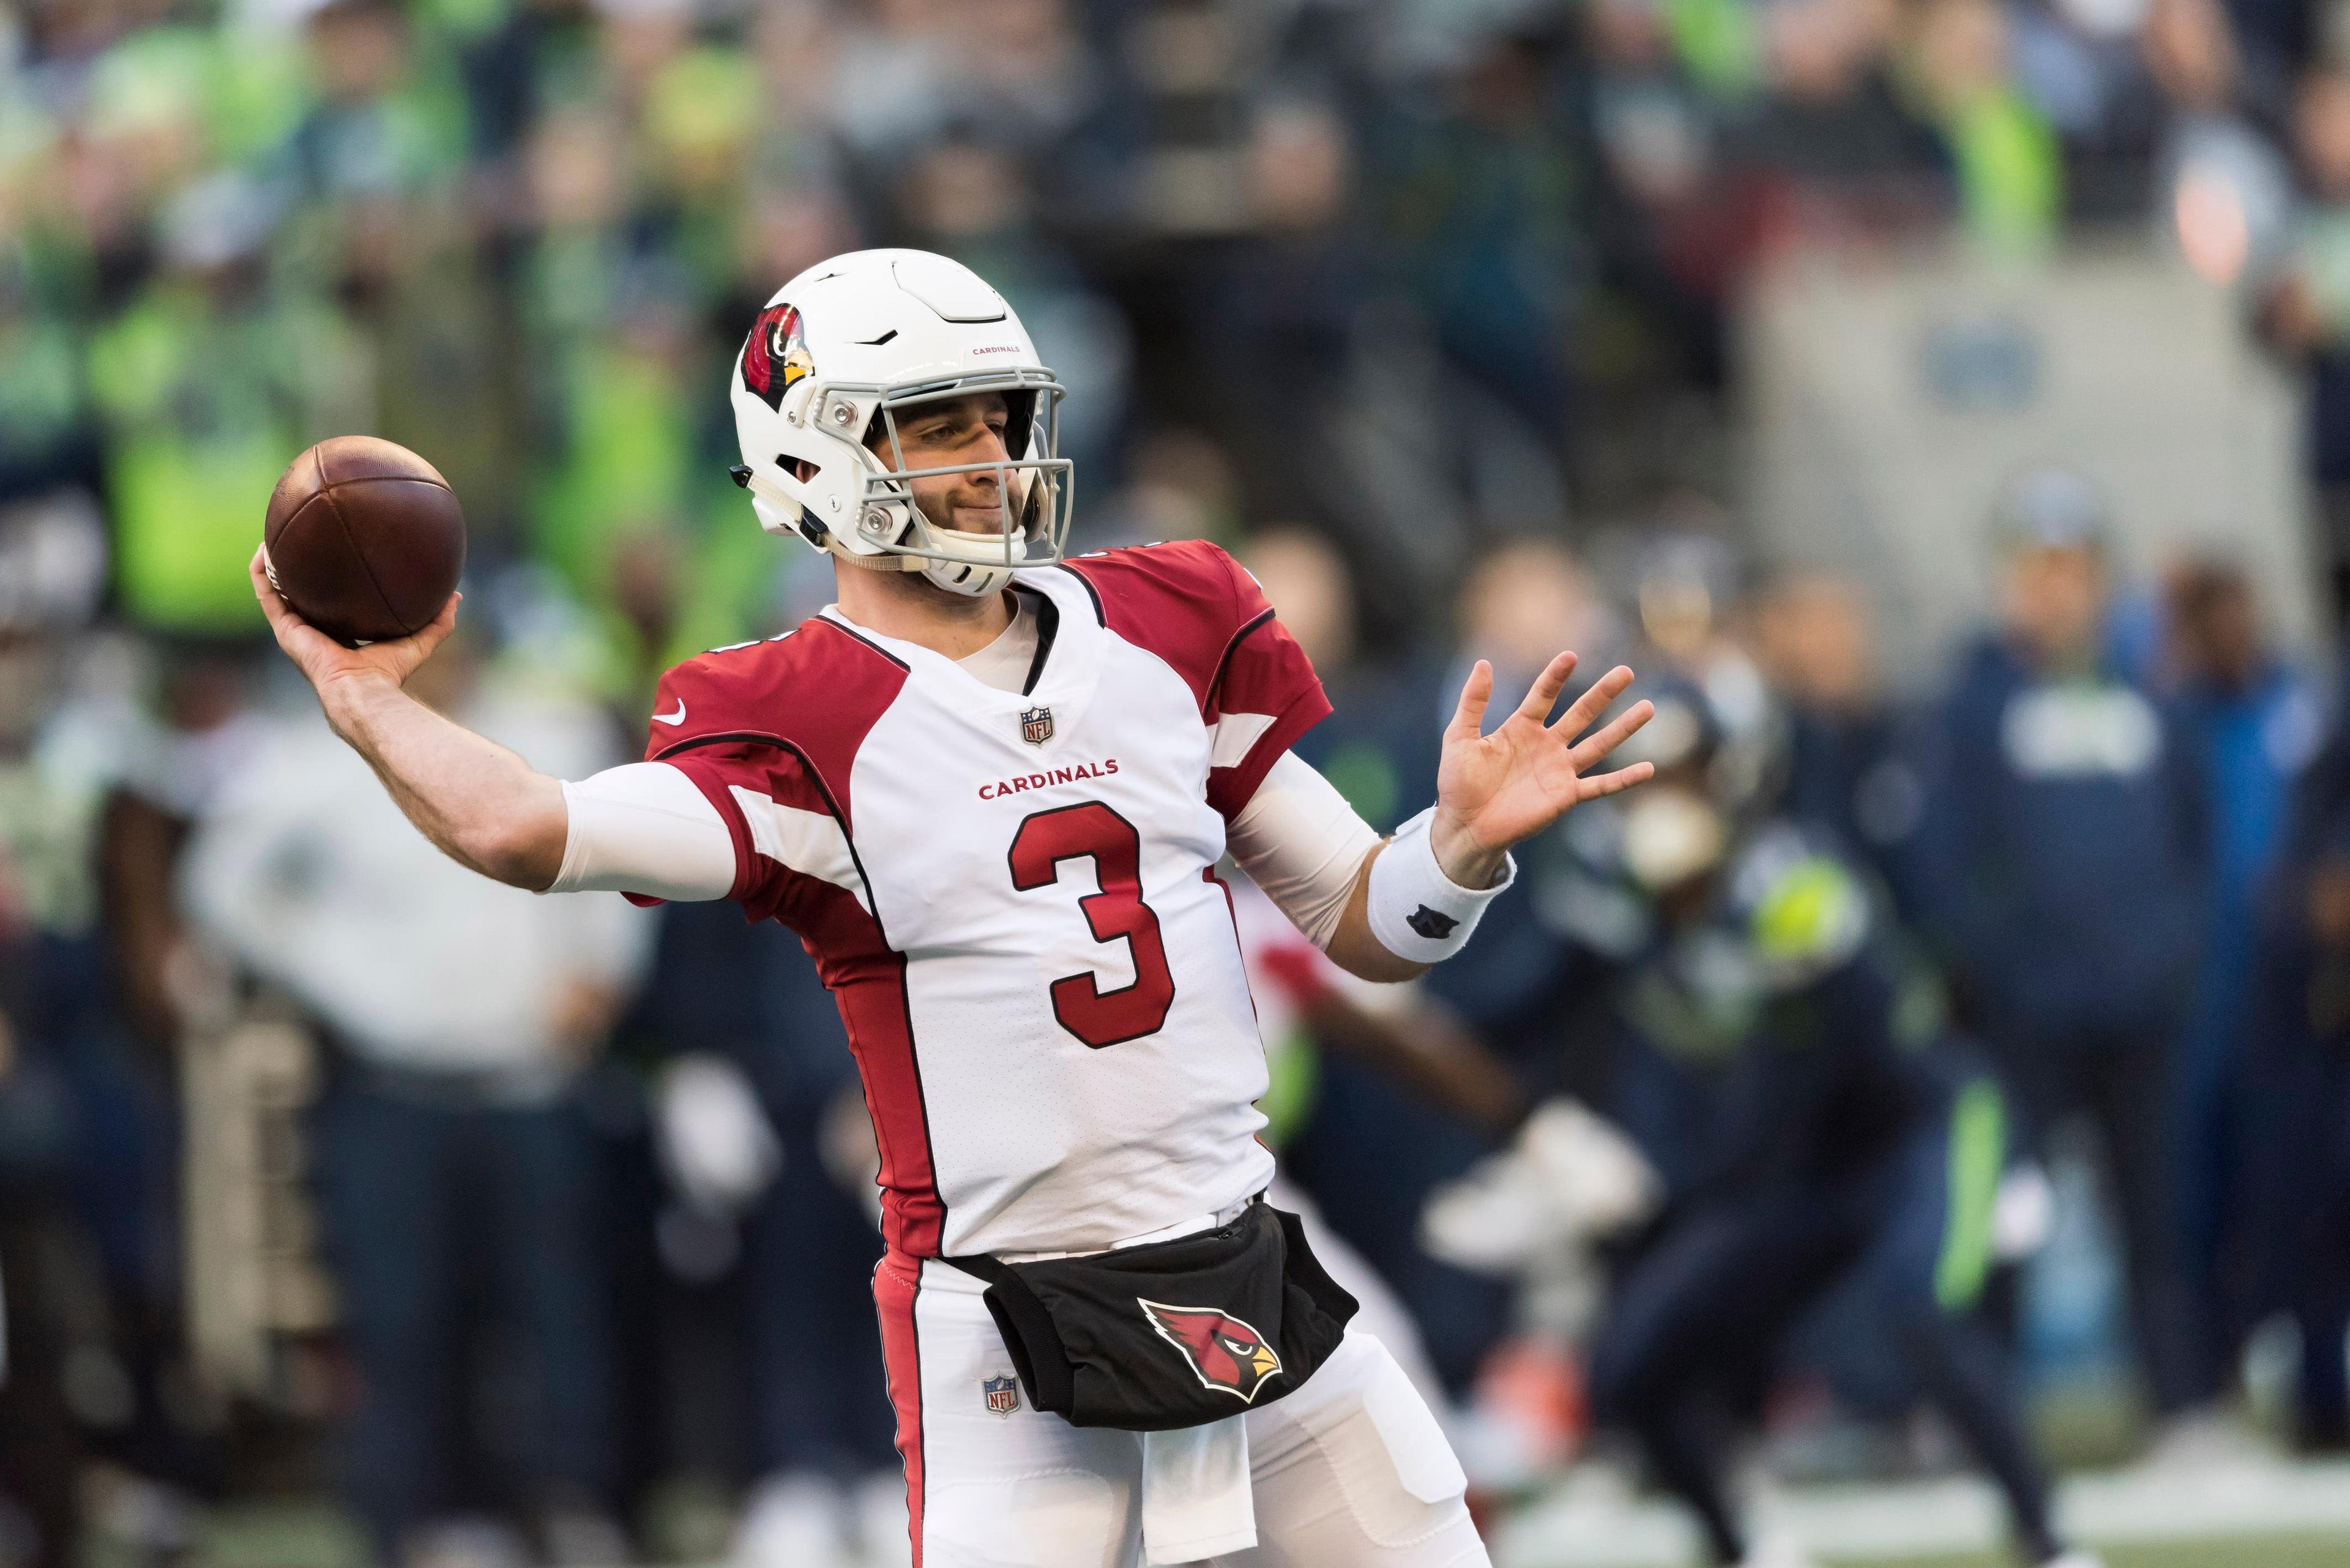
452, 1144
989, 791
1785, 1067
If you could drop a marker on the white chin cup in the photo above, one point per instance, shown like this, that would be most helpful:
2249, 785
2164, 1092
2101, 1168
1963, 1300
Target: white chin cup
972, 575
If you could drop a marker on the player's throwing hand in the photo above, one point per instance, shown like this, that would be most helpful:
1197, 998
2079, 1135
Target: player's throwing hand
1495, 790
325, 661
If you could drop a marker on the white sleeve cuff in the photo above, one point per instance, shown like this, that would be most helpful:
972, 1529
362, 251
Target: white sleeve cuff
644, 828
1416, 913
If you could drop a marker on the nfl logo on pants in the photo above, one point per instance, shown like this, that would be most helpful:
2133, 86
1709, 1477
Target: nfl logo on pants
1003, 1393
1035, 725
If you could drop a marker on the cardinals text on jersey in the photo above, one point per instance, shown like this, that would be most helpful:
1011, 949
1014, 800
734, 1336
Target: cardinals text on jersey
1019, 916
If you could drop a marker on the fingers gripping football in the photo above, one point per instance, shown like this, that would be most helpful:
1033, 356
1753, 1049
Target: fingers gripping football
1493, 791
322, 660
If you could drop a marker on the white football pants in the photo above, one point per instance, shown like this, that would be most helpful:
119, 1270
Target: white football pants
1349, 1472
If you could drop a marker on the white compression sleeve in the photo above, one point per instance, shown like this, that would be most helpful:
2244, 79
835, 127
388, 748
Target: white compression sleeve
1299, 840
644, 828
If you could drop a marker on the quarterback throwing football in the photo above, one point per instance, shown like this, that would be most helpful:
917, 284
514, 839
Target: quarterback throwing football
988, 789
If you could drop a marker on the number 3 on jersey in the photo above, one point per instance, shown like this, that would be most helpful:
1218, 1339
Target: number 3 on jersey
1092, 830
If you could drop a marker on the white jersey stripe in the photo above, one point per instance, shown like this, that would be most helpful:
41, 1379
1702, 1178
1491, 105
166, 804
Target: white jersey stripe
809, 842
1234, 736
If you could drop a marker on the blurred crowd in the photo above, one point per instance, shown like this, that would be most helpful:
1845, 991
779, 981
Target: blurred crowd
1261, 242
325, 1167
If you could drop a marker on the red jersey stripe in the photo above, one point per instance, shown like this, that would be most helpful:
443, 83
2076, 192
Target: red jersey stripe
897, 1287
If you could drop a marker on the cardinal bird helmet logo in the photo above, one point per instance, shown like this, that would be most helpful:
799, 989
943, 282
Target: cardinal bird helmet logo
1224, 1351
776, 354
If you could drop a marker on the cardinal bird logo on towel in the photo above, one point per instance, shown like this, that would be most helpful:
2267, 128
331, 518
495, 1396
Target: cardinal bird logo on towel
1224, 1350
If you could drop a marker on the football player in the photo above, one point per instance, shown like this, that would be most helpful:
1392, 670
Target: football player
988, 788
1781, 1058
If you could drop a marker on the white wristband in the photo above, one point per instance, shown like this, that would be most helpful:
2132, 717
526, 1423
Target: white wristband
1417, 912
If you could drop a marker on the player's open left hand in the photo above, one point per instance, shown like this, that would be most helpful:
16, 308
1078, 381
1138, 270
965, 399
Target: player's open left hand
1495, 790
326, 662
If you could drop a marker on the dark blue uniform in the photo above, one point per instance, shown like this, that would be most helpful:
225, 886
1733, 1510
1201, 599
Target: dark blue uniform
2066, 842
1785, 1064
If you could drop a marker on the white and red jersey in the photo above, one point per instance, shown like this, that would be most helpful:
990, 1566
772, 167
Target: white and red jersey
1011, 897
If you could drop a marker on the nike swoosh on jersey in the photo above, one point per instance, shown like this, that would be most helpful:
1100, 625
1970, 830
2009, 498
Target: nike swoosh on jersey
676, 718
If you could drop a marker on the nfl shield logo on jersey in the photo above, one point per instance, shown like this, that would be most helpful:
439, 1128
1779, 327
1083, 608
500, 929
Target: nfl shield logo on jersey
1003, 1392
1035, 725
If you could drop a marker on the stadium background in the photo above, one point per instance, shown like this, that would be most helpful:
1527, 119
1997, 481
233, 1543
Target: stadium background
1678, 329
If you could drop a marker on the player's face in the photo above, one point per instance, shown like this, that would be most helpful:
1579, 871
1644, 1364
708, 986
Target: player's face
945, 433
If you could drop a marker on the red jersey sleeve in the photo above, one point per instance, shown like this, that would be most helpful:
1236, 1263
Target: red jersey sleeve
1195, 607
1267, 697
774, 766
712, 764
757, 788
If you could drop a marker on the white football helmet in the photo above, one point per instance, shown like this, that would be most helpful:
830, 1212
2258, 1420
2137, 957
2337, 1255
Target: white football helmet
835, 356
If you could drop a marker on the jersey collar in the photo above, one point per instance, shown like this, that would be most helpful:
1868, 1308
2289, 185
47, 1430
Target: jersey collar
1072, 665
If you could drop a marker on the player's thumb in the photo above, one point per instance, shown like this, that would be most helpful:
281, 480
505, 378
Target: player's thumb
436, 632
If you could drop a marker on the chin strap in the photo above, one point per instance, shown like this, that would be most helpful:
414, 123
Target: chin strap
961, 574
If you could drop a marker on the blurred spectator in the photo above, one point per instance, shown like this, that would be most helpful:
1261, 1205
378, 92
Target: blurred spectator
1651, 209
1485, 206
2254, 720
2221, 192
1848, 769
376, 124
2070, 854
1525, 596
761, 1070
52, 989
2002, 149
1831, 153
207, 379
2306, 313
41, 1441
1180, 484
1305, 580
1372, 745
451, 1144
2300, 1169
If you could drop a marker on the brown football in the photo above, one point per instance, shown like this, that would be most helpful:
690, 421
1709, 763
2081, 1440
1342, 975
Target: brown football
364, 539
